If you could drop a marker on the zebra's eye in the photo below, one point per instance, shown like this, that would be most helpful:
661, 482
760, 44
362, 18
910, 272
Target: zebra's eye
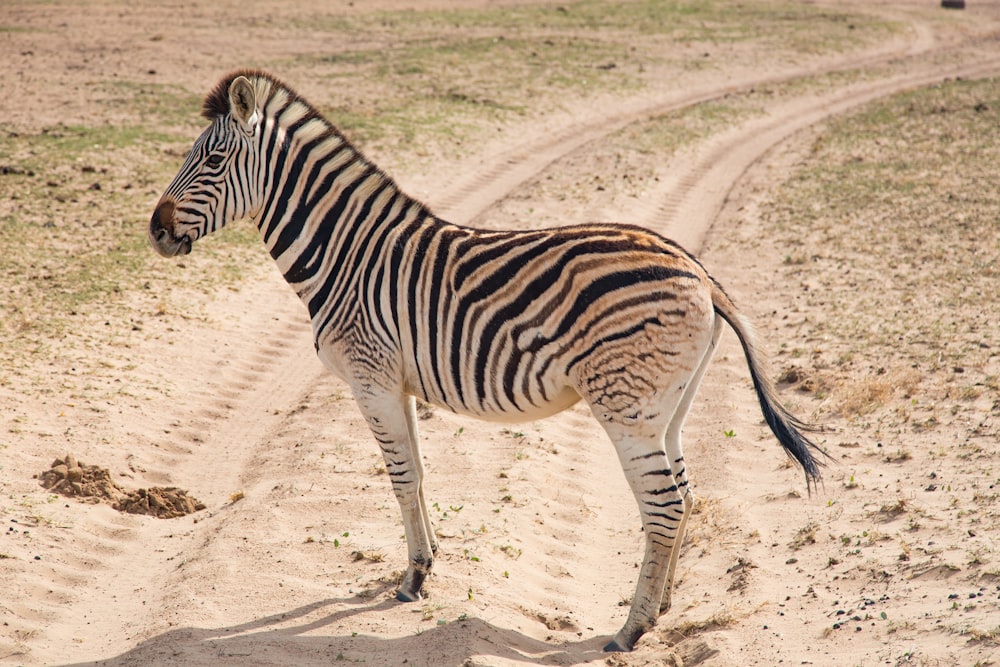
214, 160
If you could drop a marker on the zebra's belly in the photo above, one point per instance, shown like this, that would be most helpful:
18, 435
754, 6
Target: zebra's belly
523, 411
480, 384
507, 410
543, 398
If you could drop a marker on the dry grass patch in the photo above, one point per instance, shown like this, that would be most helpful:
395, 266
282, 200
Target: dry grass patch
858, 396
719, 620
804, 536
899, 229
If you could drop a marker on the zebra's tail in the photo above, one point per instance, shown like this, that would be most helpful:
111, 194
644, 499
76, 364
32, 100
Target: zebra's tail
785, 426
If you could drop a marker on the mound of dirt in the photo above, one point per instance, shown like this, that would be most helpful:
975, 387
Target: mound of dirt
87, 483
92, 484
163, 503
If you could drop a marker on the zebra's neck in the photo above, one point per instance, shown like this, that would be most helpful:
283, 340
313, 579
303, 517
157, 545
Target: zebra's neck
328, 215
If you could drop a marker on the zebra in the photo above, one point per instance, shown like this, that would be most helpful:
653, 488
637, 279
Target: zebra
502, 325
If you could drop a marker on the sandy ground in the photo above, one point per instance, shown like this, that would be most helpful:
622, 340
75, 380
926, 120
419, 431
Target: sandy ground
292, 560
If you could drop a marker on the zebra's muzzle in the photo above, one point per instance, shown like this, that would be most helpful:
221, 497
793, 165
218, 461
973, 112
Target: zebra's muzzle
161, 236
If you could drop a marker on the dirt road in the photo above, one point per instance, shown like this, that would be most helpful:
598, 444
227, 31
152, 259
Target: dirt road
293, 560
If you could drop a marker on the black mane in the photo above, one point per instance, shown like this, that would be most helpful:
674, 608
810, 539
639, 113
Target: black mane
216, 103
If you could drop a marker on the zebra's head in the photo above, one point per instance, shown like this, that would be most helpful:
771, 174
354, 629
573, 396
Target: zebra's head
216, 184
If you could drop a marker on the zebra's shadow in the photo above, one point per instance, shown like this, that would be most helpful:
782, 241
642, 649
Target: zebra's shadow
278, 640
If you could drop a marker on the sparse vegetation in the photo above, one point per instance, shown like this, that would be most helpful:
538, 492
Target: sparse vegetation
510, 551
368, 556
83, 193
74, 243
889, 183
888, 247
805, 535
717, 621
541, 53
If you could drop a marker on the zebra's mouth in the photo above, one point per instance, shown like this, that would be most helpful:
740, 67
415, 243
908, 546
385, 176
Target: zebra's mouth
168, 246
183, 246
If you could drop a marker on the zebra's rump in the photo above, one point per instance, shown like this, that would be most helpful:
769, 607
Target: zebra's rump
519, 324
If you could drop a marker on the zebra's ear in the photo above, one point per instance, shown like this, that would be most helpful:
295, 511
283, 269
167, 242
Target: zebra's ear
243, 104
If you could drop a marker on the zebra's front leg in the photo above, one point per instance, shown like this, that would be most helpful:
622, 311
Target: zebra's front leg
392, 419
411, 424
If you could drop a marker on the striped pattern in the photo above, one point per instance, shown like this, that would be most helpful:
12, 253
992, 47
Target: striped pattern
501, 325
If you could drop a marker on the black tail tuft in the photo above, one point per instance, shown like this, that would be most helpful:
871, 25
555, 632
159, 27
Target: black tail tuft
785, 426
788, 429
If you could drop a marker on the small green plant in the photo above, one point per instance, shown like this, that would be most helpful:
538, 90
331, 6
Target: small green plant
451, 508
428, 612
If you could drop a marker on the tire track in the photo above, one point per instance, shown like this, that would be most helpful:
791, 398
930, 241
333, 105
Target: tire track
246, 373
687, 204
245, 379
479, 190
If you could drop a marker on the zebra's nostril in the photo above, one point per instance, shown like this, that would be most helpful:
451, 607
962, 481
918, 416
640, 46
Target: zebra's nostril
164, 214
161, 229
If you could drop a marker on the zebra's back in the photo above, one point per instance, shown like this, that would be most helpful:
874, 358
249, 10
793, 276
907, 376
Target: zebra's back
515, 326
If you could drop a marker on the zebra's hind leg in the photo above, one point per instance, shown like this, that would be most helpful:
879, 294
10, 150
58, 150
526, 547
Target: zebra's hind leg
641, 402
675, 454
680, 479
663, 508
392, 419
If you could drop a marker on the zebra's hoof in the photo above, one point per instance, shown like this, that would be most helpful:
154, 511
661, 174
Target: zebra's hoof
625, 640
406, 596
409, 588
614, 647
